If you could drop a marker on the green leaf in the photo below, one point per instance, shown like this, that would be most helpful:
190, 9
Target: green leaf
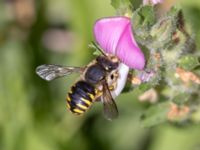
156, 114
147, 13
180, 98
142, 20
144, 87
96, 53
189, 62
117, 4
143, 17
122, 6
97, 50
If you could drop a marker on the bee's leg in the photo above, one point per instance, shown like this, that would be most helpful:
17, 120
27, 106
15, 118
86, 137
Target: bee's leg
98, 94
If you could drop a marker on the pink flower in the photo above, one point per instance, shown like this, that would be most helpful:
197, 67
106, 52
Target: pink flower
152, 2
114, 35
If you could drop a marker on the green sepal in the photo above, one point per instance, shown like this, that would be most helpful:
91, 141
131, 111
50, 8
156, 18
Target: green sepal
162, 32
142, 20
97, 50
155, 115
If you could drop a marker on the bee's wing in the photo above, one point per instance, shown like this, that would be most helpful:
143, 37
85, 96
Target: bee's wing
51, 72
109, 105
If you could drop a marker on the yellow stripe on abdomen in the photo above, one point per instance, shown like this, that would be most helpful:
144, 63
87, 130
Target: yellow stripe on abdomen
76, 110
82, 106
86, 101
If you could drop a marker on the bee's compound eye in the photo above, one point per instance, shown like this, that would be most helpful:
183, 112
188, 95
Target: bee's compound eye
112, 76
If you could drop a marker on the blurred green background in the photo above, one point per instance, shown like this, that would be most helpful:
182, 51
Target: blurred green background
33, 115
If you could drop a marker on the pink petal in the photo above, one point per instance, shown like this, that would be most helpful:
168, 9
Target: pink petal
128, 51
114, 35
107, 32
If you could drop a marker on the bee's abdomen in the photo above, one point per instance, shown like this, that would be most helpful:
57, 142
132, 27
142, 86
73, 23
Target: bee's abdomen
80, 98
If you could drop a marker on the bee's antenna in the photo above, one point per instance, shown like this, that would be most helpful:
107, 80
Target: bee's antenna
96, 46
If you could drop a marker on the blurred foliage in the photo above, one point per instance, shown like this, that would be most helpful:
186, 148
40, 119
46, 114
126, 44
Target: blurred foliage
33, 114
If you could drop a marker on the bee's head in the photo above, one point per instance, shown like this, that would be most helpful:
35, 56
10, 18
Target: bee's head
108, 63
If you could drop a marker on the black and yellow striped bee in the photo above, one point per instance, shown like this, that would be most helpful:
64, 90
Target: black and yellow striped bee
96, 82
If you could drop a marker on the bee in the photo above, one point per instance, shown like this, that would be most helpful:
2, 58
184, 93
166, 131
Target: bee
97, 82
